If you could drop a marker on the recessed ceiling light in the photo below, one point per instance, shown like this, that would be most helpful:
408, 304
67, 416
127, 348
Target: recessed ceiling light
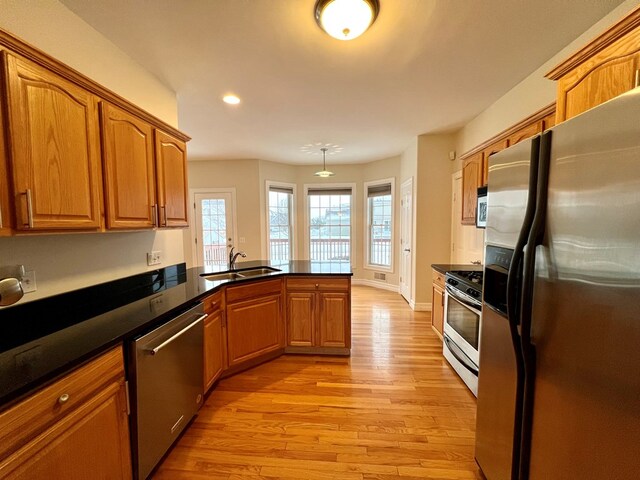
231, 99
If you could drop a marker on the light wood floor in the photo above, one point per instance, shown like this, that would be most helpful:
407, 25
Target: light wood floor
394, 410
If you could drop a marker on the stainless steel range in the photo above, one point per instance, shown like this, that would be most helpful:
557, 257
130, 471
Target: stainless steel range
462, 321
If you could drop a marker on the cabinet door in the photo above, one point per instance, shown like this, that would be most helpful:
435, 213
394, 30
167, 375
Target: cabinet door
254, 327
129, 171
437, 309
171, 171
6, 214
607, 74
90, 442
490, 150
549, 121
333, 320
301, 319
214, 348
526, 132
471, 179
54, 136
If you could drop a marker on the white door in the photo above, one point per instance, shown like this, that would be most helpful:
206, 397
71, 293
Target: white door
214, 227
457, 234
406, 235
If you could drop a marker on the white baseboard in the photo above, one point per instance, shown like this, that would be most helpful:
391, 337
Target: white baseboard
374, 283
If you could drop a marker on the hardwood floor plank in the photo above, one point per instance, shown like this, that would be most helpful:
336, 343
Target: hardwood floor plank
394, 410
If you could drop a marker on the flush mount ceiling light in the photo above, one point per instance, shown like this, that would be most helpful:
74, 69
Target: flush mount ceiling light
324, 172
231, 99
346, 19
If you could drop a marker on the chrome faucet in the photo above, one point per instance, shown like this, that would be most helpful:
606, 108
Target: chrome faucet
233, 257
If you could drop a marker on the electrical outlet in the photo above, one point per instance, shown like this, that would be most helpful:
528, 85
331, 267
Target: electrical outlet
242, 240
29, 281
154, 258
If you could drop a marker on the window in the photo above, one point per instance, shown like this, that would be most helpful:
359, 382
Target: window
329, 226
280, 217
380, 224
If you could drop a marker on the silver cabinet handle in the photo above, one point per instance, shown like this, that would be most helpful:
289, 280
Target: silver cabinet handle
154, 214
29, 209
164, 215
637, 82
64, 398
407, 249
154, 351
0, 215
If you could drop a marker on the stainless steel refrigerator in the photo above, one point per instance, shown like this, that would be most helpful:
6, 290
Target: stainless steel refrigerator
559, 382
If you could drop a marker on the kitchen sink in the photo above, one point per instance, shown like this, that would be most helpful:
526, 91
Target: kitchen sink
254, 272
222, 276
237, 274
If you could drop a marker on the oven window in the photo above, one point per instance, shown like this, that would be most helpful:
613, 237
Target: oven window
463, 321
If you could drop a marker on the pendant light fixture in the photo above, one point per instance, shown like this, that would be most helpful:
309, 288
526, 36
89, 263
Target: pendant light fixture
324, 172
346, 19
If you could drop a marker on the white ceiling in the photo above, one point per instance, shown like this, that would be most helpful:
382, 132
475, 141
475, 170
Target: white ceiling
425, 66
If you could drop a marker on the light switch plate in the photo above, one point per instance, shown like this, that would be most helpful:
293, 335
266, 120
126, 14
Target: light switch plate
154, 258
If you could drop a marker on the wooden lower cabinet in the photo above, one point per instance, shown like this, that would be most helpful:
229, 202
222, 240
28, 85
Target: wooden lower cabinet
301, 320
437, 303
318, 315
254, 328
333, 318
215, 340
76, 427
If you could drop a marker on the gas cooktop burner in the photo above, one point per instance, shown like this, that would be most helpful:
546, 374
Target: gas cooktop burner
473, 277
467, 281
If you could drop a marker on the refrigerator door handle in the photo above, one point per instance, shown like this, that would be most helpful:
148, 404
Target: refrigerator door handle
536, 236
514, 278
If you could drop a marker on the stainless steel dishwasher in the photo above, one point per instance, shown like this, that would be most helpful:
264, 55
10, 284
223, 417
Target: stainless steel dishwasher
166, 367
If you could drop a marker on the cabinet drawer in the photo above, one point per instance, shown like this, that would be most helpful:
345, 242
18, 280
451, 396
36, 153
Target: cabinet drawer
438, 278
254, 289
212, 303
25, 420
318, 283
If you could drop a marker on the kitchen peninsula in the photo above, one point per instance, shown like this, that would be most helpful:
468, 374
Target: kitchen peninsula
47, 344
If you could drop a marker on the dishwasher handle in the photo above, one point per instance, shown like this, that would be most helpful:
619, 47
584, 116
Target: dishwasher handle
154, 351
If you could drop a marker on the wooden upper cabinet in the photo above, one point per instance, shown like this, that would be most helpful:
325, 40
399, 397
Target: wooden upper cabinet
604, 69
549, 121
171, 171
526, 132
471, 180
486, 153
6, 213
129, 170
53, 130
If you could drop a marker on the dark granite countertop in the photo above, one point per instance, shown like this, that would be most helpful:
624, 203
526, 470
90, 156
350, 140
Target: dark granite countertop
43, 339
447, 267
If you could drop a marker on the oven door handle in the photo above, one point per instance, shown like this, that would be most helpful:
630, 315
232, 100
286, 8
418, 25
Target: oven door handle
466, 302
452, 349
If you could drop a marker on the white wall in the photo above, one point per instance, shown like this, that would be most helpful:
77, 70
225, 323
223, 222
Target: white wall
533, 93
249, 178
68, 261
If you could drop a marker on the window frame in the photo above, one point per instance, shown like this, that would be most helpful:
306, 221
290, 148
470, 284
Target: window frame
367, 226
293, 234
352, 230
